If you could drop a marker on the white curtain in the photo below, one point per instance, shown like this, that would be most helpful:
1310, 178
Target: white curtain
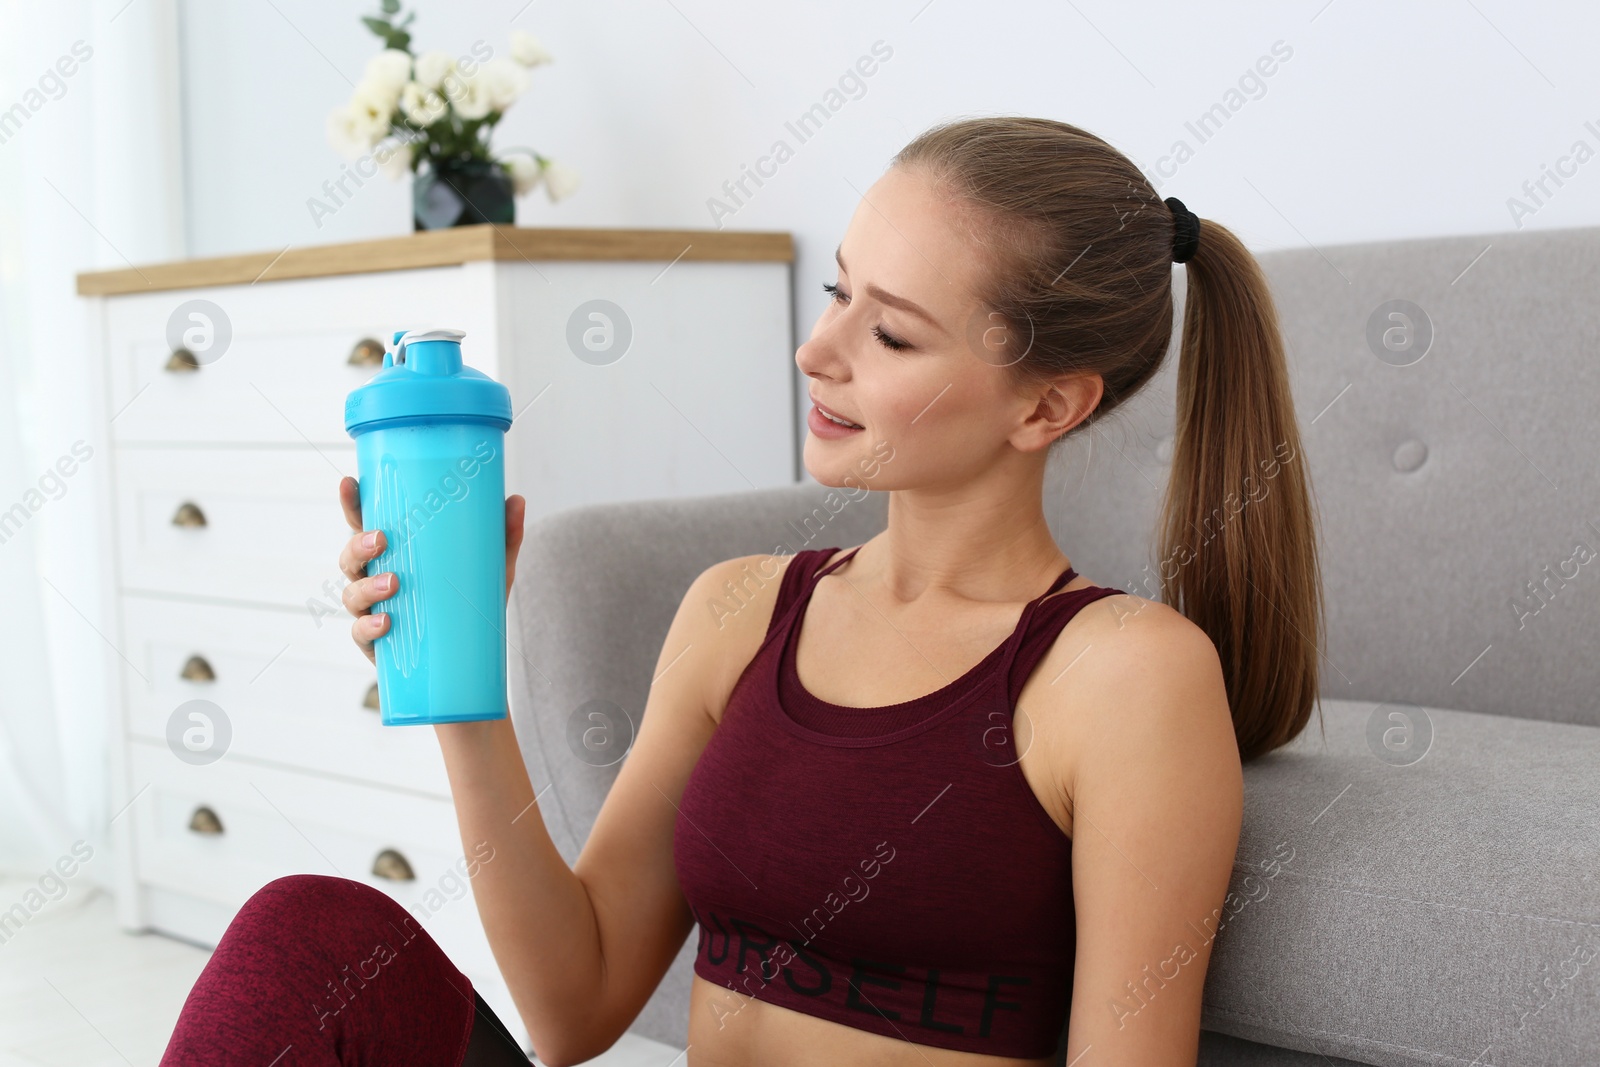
91, 168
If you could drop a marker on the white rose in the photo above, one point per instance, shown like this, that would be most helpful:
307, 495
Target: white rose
503, 81
344, 133
525, 173
526, 49
378, 100
390, 69
469, 96
432, 67
354, 128
394, 158
423, 107
559, 181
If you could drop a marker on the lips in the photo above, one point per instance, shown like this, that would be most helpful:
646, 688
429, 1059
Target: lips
826, 410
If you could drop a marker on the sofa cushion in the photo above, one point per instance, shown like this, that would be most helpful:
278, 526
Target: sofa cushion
1417, 886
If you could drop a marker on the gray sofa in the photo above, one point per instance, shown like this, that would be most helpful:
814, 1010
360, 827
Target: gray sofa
1418, 880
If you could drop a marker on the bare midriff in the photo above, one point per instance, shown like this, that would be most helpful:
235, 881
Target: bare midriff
732, 1029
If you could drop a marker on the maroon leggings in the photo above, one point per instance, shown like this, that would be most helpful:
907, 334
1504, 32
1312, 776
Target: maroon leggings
317, 971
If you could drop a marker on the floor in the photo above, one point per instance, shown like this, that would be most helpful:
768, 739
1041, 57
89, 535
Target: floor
76, 991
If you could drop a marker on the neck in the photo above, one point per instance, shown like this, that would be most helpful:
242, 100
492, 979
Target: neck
968, 548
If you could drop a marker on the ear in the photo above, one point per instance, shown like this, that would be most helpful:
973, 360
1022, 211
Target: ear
1060, 404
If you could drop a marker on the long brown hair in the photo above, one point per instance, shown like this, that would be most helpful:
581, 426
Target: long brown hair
1078, 248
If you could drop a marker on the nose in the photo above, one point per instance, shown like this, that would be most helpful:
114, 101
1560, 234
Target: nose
820, 355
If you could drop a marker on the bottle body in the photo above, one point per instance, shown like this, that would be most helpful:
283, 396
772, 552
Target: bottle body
436, 488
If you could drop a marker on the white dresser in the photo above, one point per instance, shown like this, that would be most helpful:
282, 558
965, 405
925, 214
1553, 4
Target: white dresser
640, 364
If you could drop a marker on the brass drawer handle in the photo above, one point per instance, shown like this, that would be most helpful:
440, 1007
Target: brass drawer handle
205, 821
393, 866
366, 353
197, 670
189, 514
182, 360
371, 702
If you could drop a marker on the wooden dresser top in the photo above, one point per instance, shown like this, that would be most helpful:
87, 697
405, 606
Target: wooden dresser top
438, 248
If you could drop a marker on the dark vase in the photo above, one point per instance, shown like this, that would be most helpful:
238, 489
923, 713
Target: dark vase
461, 193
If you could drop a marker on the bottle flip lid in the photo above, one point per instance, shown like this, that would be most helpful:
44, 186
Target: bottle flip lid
424, 380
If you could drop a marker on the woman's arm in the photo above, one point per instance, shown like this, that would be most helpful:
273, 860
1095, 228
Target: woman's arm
1151, 766
582, 948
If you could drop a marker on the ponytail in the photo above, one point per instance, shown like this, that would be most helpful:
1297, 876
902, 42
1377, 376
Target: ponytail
1237, 538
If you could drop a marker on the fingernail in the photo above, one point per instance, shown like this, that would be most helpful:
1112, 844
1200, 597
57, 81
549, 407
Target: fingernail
381, 583
377, 621
370, 540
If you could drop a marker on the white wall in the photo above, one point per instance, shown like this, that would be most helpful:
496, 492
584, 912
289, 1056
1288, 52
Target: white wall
1384, 121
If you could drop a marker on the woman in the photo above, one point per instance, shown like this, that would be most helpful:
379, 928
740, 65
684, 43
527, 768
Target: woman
885, 866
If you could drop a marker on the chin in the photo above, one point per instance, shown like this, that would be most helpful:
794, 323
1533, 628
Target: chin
827, 470
854, 465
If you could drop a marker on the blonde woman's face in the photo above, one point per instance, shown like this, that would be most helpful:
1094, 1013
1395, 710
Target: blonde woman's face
905, 351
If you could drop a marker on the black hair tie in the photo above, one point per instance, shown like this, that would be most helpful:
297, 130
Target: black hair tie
1185, 231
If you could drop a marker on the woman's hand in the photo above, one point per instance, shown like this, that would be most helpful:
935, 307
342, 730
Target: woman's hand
362, 591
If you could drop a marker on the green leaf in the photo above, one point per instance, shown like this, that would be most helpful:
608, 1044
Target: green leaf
400, 39
380, 27
391, 7
407, 20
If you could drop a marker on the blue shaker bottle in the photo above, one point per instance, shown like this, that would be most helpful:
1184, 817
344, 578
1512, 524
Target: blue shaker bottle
430, 448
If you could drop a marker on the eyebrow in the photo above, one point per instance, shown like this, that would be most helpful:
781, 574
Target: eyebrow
883, 296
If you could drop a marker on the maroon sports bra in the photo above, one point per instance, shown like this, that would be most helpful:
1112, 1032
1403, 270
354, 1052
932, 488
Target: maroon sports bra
885, 868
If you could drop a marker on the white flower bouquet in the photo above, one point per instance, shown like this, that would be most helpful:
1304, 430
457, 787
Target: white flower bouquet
441, 110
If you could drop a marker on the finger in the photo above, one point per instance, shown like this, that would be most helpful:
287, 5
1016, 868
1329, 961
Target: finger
365, 629
516, 510
360, 595
356, 552
350, 500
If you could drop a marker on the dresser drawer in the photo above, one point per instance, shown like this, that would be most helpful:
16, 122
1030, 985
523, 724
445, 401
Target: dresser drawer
273, 361
266, 823
292, 685
262, 525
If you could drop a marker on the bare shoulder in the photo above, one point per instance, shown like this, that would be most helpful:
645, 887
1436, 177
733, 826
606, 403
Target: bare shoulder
1132, 681
725, 614
1132, 640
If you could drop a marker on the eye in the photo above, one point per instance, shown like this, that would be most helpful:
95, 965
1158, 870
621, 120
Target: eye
887, 340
